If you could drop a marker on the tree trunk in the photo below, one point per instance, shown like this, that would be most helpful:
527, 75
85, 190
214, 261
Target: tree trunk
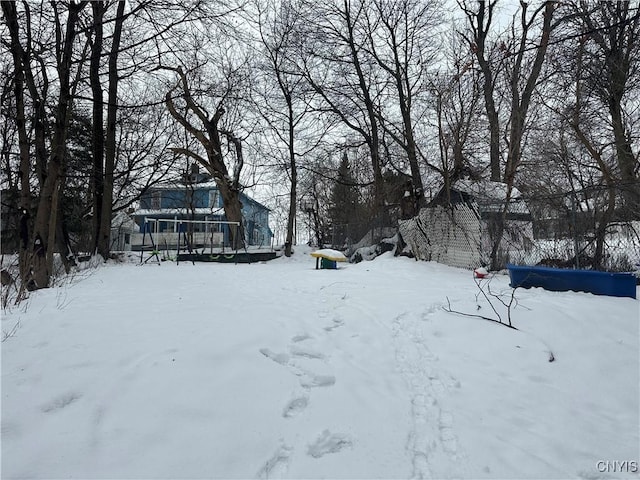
520, 102
288, 244
601, 229
43, 246
627, 162
208, 135
478, 44
233, 213
615, 31
11, 16
404, 99
96, 185
373, 140
412, 154
104, 236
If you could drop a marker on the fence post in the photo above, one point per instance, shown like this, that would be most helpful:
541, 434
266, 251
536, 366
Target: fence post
575, 231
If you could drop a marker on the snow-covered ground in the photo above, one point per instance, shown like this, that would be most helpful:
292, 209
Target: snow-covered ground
279, 370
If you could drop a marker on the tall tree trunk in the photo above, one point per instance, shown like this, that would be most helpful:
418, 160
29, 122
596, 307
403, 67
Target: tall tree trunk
104, 237
38, 90
43, 246
630, 188
521, 101
96, 185
11, 16
294, 181
412, 154
404, 44
480, 28
233, 213
373, 139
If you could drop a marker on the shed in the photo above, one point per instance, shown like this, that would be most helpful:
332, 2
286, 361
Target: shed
122, 227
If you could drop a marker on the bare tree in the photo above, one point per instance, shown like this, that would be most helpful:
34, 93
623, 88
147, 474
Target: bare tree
456, 96
610, 48
403, 40
284, 108
104, 232
339, 69
521, 72
37, 255
480, 23
152, 25
96, 185
208, 131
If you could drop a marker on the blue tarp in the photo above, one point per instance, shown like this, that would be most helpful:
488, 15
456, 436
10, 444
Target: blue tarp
561, 280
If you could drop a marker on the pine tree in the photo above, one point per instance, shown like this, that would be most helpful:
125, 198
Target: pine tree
344, 204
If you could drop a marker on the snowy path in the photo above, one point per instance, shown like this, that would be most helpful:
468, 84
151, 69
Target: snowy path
277, 370
432, 431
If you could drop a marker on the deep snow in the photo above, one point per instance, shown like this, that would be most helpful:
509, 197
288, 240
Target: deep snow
279, 370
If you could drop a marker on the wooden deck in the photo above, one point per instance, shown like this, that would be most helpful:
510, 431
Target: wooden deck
232, 257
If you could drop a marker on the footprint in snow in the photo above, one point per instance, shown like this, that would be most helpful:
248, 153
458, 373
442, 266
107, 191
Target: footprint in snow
430, 311
295, 406
337, 322
307, 379
310, 380
297, 351
278, 464
61, 401
328, 442
281, 358
300, 338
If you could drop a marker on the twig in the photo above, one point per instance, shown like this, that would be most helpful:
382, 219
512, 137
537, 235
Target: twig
484, 294
450, 310
11, 333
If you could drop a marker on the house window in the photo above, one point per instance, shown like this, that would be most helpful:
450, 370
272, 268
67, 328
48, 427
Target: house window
155, 200
213, 199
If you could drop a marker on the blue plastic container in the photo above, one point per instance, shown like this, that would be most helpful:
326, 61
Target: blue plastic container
330, 264
562, 280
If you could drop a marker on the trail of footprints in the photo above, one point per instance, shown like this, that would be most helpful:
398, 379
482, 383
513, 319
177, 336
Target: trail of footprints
431, 438
326, 442
431, 442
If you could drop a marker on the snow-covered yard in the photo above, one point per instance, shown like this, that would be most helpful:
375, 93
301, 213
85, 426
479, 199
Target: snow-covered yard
278, 370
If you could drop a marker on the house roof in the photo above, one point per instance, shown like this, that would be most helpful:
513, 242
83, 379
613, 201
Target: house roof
245, 196
210, 185
489, 196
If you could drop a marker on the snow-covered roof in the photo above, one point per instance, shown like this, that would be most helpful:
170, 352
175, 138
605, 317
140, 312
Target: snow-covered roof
180, 211
486, 190
123, 221
490, 196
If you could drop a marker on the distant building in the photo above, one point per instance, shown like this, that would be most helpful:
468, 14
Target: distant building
196, 200
123, 228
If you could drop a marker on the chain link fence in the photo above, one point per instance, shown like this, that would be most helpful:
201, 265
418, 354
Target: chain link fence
553, 231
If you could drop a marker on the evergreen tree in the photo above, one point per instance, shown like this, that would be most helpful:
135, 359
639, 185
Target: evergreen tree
344, 205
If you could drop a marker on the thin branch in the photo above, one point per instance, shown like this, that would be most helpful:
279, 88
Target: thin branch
450, 310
